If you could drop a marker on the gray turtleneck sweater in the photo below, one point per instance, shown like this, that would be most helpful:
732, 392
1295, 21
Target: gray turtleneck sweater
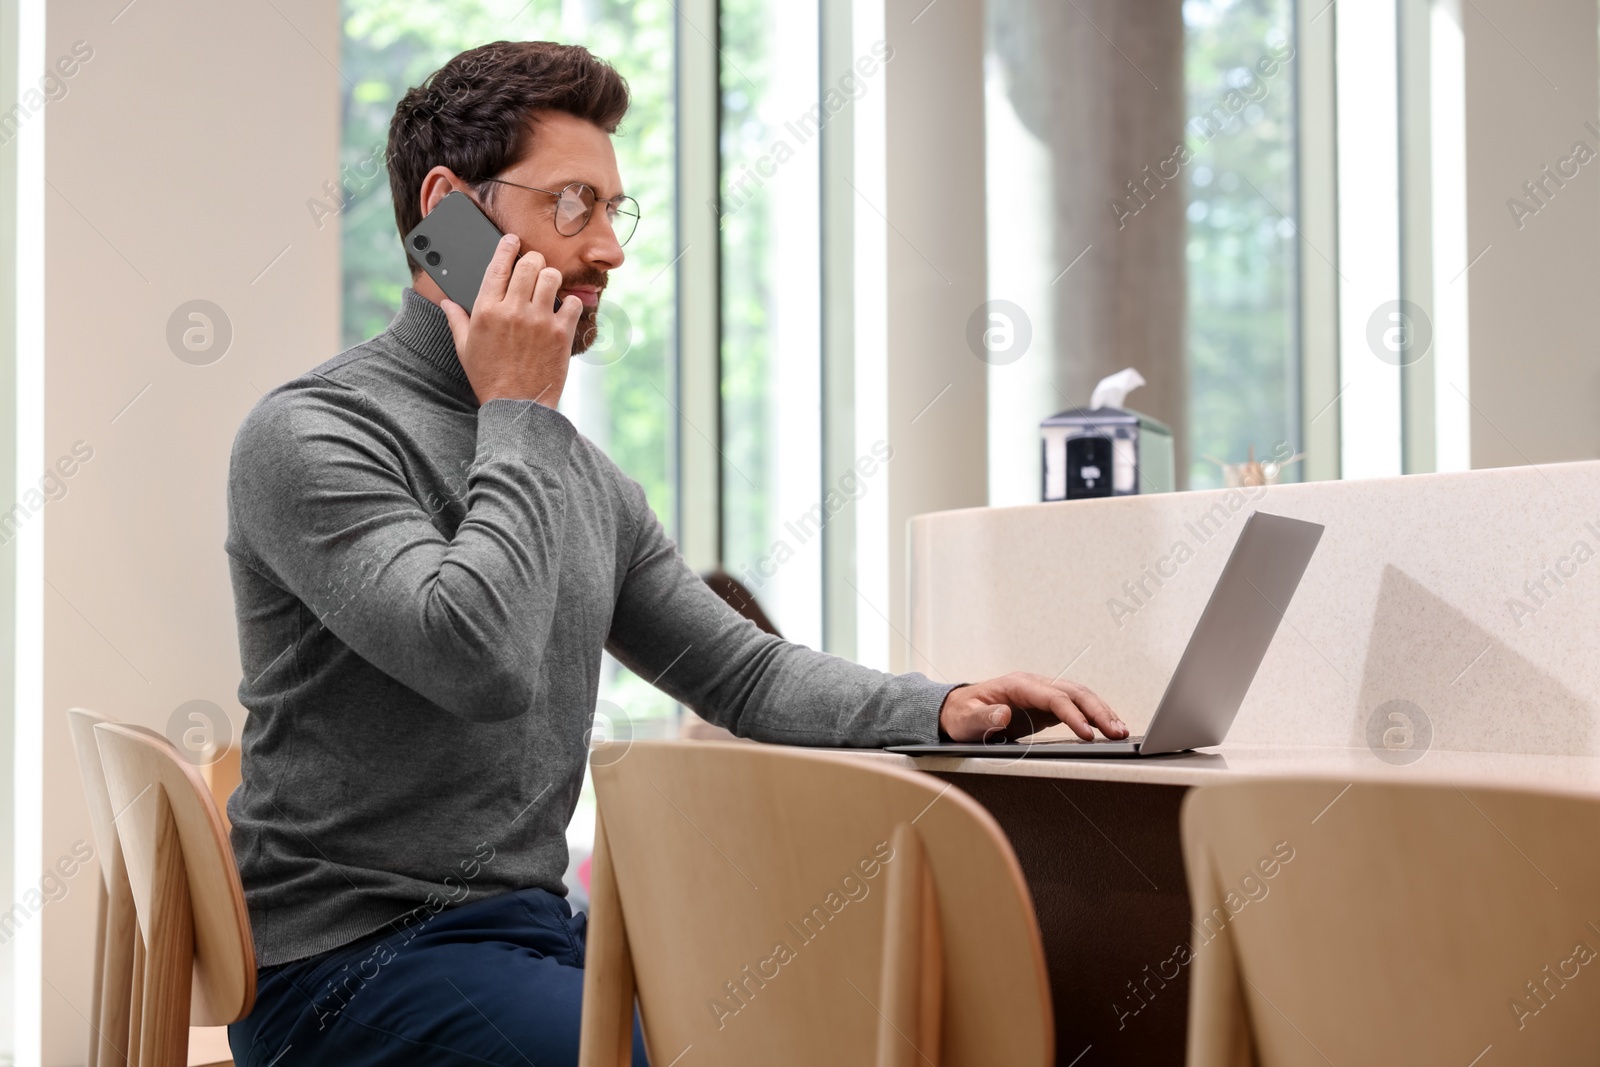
424, 587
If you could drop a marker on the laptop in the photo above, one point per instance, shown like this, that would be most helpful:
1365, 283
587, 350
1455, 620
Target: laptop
1216, 669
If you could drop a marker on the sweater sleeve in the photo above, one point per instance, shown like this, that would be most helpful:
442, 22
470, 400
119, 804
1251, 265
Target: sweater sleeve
671, 629
321, 506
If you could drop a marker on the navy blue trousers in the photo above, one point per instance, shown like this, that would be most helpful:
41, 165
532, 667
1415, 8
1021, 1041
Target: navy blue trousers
497, 981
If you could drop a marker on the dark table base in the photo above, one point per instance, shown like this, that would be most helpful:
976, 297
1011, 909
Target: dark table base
1105, 866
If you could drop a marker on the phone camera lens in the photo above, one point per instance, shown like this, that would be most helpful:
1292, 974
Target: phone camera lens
419, 242
433, 259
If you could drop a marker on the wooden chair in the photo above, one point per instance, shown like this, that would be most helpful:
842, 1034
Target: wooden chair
116, 927
1399, 923
222, 775
782, 906
199, 960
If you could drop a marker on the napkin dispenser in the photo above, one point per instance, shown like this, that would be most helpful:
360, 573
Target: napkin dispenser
1106, 449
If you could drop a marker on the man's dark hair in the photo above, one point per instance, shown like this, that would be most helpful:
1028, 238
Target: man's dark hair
473, 114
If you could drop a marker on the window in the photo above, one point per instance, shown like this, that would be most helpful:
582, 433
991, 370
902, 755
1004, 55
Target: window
771, 322
1243, 345
1058, 142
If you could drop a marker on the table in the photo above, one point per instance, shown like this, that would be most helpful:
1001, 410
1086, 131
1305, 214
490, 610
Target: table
1098, 841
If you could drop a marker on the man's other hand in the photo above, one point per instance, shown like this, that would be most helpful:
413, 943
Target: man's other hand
1018, 704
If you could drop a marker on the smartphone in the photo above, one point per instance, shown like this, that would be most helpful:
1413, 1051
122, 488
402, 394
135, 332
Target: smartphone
455, 243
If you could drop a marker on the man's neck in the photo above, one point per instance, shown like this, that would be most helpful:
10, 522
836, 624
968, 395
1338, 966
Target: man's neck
424, 284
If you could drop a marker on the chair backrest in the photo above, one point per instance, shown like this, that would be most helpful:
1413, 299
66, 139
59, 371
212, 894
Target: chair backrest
222, 775
199, 957
110, 1033
1391, 923
782, 906
738, 596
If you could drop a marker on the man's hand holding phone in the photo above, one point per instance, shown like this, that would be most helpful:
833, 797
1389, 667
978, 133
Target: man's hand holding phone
513, 345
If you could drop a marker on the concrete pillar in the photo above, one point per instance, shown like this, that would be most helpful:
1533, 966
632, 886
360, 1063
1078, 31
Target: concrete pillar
1100, 83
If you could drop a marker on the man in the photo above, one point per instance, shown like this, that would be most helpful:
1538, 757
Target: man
427, 562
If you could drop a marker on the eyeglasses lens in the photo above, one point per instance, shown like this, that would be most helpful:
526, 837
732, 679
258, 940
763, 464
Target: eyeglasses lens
576, 204
573, 208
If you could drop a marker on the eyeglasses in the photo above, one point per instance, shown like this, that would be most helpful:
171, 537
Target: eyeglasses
575, 203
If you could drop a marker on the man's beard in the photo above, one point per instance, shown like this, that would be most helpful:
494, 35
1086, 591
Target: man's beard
588, 330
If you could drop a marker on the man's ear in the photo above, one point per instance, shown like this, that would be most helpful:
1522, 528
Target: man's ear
437, 184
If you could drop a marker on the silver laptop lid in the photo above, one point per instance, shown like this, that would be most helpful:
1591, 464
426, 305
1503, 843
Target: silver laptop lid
1233, 633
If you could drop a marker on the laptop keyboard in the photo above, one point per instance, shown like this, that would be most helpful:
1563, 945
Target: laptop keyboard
1132, 739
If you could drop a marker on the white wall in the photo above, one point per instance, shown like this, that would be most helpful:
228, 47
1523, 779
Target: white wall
178, 167
1532, 82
